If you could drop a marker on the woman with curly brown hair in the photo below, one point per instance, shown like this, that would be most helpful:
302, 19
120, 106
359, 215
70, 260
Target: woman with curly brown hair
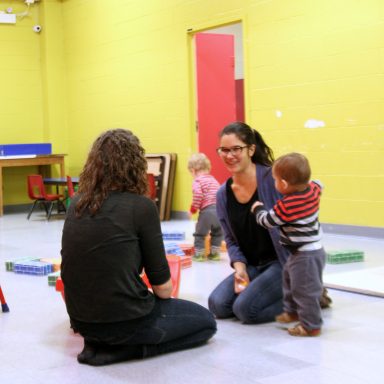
112, 231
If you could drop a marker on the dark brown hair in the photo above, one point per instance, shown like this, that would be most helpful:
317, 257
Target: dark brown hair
263, 154
116, 162
293, 168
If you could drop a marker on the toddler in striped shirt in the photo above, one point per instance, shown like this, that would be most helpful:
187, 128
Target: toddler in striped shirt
296, 215
204, 190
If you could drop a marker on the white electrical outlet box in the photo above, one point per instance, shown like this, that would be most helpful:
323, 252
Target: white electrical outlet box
7, 18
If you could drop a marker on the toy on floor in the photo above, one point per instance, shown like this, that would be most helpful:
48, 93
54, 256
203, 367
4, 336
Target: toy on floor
60, 287
172, 248
185, 261
344, 256
189, 251
174, 262
32, 268
173, 235
52, 277
36, 266
9, 264
55, 261
4, 305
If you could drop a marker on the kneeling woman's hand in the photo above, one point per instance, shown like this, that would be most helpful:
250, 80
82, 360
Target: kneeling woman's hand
241, 278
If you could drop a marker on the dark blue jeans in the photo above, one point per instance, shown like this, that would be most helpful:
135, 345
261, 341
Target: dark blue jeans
259, 303
173, 325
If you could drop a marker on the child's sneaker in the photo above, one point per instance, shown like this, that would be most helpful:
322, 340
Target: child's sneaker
199, 256
325, 300
299, 330
214, 256
287, 317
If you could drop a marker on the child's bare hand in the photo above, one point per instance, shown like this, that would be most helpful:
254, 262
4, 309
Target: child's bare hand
256, 204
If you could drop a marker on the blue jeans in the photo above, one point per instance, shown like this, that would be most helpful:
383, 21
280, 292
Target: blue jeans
259, 303
173, 325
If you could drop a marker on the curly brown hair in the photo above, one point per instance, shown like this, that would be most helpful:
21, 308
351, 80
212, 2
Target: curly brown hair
116, 162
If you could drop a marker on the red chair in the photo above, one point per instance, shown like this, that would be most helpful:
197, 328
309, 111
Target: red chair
174, 262
4, 305
36, 191
70, 187
151, 186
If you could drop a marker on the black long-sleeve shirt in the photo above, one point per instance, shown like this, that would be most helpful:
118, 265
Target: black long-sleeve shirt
103, 257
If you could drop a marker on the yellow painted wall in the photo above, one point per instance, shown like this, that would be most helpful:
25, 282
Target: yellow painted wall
324, 60
129, 64
21, 118
31, 94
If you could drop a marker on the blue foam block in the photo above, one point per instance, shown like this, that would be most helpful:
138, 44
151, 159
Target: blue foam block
33, 268
173, 235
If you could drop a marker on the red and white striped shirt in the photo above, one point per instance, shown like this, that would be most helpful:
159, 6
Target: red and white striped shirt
204, 189
296, 215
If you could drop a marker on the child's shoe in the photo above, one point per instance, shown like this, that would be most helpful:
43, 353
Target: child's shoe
299, 330
325, 300
286, 317
199, 255
214, 256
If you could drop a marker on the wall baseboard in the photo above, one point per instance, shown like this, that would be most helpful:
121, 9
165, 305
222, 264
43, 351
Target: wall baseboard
337, 229
18, 208
353, 230
179, 215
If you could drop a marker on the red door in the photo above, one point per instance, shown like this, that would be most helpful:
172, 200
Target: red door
216, 93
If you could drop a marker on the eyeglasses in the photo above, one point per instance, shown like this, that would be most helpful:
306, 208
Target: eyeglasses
234, 151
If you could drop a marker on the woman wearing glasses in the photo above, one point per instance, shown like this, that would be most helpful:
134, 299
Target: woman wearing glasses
253, 293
